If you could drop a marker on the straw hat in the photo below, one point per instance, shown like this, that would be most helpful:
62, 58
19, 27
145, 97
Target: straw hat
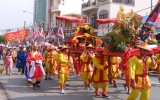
144, 46
50, 47
64, 47
89, 46
99, 49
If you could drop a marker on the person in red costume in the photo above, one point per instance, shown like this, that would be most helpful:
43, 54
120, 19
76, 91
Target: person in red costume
36, 73
76, 64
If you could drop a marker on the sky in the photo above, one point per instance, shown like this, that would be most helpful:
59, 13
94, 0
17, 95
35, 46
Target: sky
12, 15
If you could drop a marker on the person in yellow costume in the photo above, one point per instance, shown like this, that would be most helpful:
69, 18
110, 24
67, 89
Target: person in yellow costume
49, 56
63, 70
115, 68
86, 67
57, 57
128, 88
100, 73
157, 59
138, 73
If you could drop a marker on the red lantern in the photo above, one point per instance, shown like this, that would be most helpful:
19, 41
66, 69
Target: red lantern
75, 41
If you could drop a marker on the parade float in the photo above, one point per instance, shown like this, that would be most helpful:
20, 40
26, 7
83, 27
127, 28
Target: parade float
68, 24
83, 34
82, 37
124, 37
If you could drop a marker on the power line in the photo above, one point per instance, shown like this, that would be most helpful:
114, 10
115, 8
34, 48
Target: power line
145, 9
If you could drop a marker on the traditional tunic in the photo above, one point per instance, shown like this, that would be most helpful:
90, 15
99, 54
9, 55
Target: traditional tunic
63, 70
115, 67
77, 66
86, 68
49, 60
32, 57
27, 67
100, 73
20, 59
138, 71
157, 59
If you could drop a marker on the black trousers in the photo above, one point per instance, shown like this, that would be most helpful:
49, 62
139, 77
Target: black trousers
21, 70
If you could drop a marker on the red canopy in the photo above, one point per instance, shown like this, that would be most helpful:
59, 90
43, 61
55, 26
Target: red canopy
70, 19
107, 20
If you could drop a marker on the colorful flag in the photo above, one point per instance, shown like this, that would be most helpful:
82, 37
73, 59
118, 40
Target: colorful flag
35, 34
60, 33
42, 33
51, 32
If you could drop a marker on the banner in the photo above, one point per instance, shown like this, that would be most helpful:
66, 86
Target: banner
12, 36
152, 16
150, 22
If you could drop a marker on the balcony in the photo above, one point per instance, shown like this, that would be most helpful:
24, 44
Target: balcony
128, 2
56, 8
90, 5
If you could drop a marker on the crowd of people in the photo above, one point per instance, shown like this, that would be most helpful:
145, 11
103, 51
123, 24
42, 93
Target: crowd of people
41, 62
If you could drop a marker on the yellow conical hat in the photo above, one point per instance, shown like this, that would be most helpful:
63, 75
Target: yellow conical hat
144, 46
90, 46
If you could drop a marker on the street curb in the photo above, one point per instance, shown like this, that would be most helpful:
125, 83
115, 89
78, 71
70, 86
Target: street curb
6, 94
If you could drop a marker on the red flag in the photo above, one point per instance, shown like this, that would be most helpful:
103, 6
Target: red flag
60, 31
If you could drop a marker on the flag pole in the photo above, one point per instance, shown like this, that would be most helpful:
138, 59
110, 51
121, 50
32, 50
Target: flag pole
58, 43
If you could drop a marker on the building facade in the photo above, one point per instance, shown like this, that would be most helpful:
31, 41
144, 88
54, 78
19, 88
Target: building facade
40, 10
62, 8
101, 9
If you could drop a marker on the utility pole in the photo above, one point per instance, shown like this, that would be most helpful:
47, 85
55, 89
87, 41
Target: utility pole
151, 5
24, 40
24, 24
43, 26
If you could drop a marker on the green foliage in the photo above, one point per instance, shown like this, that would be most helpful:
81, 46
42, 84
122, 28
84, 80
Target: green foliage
39, 22
123, 33
2, 39
117, 47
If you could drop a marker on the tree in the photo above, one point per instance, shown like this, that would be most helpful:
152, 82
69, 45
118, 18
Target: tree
39, 22
2, 39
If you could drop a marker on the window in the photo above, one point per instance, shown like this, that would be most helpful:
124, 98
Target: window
52, 3
129, 1
93, 20
103, 14
117, 1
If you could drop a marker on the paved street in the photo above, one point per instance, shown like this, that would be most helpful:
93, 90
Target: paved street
16, 89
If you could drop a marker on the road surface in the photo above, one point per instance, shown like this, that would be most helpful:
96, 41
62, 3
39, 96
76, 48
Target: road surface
15, 87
